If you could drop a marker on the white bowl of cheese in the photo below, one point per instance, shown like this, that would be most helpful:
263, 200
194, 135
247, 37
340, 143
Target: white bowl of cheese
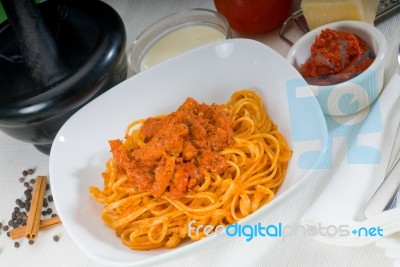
175, 34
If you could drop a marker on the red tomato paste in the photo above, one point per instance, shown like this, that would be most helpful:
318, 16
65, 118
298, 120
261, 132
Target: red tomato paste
336, 56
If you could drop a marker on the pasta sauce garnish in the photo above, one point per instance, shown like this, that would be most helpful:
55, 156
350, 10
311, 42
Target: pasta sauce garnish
202, 164
178, 149
336, 56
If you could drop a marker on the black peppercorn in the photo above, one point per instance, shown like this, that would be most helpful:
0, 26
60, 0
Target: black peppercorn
45, 204
56, 238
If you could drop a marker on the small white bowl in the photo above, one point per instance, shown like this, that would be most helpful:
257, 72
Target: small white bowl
357, 93
176, 33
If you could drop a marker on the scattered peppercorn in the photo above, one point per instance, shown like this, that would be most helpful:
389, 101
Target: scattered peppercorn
27, 192
19, 215
11, 223
56, 238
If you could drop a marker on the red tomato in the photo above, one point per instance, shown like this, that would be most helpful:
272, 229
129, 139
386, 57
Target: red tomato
254, 16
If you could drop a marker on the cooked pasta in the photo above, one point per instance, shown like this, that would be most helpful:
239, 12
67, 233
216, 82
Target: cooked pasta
217, 165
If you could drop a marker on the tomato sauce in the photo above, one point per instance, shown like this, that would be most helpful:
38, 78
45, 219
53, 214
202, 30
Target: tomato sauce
179, 149
336, 56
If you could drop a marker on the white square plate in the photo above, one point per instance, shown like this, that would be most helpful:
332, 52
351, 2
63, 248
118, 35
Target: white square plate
208, 74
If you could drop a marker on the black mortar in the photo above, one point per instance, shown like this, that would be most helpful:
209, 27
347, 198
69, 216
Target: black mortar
78, 54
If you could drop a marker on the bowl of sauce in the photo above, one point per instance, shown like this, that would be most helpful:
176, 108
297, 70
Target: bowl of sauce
343, 64
175, 34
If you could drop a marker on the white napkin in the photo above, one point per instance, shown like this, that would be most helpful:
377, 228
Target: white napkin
339, 209
391, 245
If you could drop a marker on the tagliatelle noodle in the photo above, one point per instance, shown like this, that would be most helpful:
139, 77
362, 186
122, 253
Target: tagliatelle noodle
257, 161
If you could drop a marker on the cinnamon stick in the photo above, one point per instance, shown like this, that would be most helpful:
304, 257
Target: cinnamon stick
33, 223
44, 224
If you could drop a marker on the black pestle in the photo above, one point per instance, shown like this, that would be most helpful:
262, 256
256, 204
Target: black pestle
36, 43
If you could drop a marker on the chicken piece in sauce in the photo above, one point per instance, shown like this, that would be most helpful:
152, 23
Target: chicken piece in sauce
180, 148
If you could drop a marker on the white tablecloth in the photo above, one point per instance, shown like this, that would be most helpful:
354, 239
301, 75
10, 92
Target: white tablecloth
15, 156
